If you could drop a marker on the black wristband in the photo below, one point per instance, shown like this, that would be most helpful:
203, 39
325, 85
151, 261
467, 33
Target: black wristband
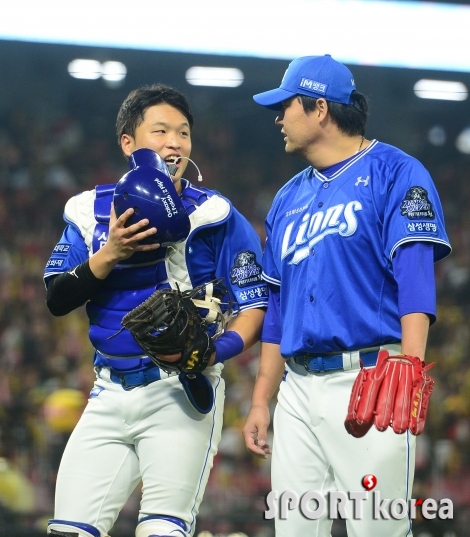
69, 290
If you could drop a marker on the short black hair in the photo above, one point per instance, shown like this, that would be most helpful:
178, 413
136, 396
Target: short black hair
132, 111
350, 118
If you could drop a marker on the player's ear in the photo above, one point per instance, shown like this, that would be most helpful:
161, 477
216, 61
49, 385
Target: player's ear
321, 108
127, 144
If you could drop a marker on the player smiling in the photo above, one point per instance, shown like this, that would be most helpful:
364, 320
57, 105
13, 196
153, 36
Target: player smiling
143, 422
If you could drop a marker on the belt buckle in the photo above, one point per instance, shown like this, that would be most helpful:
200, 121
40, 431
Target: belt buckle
124, 383
318, 369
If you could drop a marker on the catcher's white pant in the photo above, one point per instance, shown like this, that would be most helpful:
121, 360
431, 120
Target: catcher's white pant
151, 433
313, 451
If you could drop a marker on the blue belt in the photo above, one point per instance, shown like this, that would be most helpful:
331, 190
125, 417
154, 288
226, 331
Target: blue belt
315, 363
133, 379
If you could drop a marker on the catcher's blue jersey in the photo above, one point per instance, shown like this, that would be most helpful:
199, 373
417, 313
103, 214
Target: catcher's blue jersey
321, 229
221, 244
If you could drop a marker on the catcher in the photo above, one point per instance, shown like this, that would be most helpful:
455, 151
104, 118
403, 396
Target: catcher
172, 286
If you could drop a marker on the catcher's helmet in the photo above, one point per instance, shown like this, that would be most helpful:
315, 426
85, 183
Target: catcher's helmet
149, 190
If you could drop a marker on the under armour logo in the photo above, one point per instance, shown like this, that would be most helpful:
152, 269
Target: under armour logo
361, 180
73, 273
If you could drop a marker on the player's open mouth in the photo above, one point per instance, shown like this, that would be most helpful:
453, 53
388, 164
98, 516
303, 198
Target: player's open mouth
173, 159
173, 162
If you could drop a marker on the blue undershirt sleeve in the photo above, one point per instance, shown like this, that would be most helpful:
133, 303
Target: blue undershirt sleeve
413, 268
228, 345
272, 327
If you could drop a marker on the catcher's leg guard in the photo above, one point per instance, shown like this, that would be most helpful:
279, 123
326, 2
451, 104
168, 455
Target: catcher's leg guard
66, 534
161, 526
66, 528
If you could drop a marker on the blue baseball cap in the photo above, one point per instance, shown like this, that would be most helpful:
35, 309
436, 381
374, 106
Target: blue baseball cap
314, 76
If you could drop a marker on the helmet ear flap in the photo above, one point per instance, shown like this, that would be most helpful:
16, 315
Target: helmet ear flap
148, 189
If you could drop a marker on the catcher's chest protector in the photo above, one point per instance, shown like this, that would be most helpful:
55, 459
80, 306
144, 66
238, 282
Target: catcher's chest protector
211, 210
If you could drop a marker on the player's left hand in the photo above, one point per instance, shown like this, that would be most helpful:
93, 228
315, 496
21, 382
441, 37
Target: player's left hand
170, 329
175, 357
169, 357
395, 393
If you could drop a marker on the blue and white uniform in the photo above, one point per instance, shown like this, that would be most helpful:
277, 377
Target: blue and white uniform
332, 240
150, 432
322, 229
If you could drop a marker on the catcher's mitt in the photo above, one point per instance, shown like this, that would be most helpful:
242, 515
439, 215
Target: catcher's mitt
169, 322
394, 393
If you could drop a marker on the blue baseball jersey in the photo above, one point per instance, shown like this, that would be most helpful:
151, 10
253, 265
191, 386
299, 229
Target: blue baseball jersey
330, 244
221, 244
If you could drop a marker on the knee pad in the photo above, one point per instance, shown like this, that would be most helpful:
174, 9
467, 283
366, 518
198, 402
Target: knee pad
66, 528
161, 526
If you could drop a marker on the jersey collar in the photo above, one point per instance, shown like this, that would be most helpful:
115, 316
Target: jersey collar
332, 172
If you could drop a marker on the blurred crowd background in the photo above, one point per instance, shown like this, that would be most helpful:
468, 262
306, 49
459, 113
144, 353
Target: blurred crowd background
52, 148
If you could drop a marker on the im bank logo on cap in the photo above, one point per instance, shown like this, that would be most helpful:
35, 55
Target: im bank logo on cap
312, 85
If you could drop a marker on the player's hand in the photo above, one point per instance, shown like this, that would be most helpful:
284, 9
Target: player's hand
169, 357
256, 429
176, 357
124, 241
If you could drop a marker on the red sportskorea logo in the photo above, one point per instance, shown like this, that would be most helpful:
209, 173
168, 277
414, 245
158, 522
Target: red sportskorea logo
369, 481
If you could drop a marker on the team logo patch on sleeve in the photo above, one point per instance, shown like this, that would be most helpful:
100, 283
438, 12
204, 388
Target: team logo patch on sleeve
245, 271
416, 204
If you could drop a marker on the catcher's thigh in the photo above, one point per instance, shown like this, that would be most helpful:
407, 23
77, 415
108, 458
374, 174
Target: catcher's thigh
177, 458
313, 451
150, 433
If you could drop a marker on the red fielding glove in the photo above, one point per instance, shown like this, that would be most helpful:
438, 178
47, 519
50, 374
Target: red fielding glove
394, 393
